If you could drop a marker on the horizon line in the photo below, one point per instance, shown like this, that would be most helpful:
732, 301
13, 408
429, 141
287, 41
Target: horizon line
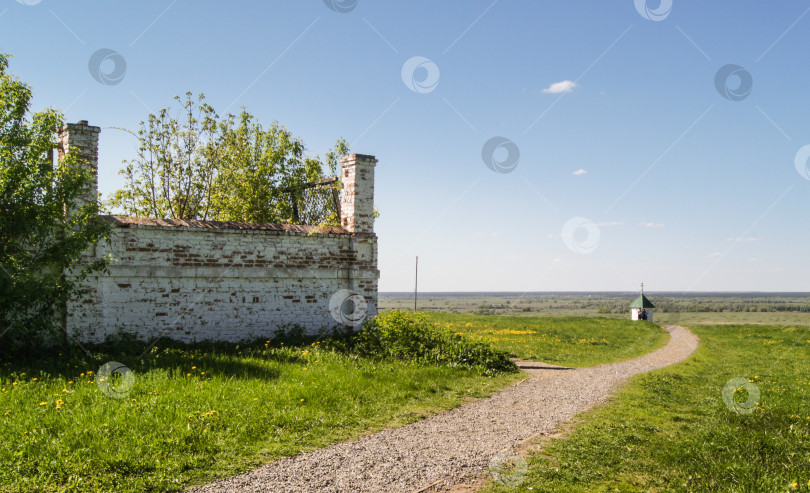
524, 293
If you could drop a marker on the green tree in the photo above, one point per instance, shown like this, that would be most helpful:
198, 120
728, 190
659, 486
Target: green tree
44, 225
203, 166
173, 175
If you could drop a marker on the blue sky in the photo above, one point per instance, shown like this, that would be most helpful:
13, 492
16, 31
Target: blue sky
632, 165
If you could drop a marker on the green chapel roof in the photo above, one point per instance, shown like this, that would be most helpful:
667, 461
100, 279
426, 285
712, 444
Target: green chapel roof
641, 302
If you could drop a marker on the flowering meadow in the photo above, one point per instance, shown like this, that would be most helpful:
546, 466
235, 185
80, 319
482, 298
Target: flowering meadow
565, 341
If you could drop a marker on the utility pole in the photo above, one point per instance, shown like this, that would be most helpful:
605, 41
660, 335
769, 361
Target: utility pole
415, 282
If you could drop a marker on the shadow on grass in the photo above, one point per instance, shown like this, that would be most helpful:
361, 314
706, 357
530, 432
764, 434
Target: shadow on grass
244, 360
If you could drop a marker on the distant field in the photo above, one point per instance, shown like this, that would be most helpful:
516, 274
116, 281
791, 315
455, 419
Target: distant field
692, 308
720, 318
566, 341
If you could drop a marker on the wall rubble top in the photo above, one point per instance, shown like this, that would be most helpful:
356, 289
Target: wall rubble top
126, 222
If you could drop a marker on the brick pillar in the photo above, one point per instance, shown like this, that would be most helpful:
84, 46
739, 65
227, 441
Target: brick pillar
83, 139
357, 198
357, 216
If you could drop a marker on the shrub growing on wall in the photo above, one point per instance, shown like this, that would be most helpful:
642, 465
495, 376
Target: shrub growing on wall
44, 227
203, 166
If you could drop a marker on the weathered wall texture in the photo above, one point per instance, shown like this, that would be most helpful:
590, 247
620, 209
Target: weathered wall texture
194, 280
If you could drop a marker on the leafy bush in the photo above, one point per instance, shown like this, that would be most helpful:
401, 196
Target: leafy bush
45, 224
411, 337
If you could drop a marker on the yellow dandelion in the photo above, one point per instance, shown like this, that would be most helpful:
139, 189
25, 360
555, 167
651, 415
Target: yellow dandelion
59, 402
255, 398
70, 382
202, 373
35, 379
193, 367
43, 403
302, 400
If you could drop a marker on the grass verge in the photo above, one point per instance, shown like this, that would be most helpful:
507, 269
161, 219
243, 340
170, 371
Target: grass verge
196, 413
566, 341
672, 429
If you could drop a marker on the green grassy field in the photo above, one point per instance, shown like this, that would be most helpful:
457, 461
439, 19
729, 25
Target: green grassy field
672, 430
196, 415
734, 318
199, 413
577, 341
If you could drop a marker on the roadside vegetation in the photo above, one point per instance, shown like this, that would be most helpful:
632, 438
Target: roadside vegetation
672, 430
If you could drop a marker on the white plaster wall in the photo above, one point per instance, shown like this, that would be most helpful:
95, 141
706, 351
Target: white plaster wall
194, 284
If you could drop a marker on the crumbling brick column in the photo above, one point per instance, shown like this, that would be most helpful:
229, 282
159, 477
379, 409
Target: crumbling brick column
83, 139
357, 197
357, 216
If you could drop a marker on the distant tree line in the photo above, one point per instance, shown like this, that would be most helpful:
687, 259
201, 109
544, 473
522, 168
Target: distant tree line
620, 305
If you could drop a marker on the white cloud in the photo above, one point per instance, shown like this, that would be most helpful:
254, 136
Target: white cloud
580, 171
614, 223
562, 86
746, 239
651, 225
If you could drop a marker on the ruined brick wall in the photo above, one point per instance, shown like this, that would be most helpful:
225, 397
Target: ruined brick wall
191, 280
194, 280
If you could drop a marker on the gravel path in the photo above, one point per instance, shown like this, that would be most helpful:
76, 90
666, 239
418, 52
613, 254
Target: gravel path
455, 445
